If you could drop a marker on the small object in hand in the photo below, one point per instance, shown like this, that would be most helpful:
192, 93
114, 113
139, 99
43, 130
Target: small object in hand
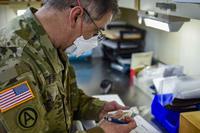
132, 112
114, 120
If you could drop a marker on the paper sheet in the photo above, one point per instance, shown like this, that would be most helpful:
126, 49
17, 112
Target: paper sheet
142, 125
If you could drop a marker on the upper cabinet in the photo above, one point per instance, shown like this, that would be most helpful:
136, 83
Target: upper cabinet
130, 4
188, 9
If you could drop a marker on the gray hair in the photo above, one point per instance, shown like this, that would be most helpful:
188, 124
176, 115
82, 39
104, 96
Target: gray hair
96, 8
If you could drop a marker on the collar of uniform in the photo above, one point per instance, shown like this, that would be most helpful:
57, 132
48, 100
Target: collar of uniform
33, 22
63, 57
46, 44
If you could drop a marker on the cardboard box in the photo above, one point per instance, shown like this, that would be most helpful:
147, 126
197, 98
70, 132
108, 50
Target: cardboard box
190, 122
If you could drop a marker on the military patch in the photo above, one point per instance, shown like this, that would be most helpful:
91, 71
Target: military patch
27, 118
2, 127
15, 96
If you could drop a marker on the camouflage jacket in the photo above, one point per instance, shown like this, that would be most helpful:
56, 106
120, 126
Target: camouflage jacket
38, 90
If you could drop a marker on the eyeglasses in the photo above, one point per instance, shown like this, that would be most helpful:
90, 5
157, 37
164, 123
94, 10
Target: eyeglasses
99, 31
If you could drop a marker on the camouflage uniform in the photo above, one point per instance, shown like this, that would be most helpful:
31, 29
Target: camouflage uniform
28, 58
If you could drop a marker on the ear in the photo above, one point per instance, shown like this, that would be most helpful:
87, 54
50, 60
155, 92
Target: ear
74, 14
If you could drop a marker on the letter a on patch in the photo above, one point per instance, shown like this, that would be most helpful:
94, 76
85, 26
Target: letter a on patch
15, 96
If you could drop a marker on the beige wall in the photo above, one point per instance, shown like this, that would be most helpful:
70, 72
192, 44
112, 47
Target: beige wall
182, 48
8, 12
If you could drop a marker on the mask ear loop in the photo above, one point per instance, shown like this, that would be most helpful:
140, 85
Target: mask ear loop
79, 4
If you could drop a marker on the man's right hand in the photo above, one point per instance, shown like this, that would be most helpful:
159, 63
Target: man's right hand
110, 127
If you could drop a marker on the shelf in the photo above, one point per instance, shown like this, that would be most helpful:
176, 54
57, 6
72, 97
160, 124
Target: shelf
189, 10
187, 1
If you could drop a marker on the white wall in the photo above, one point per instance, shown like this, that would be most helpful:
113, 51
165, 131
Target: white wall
190, 48
182, 48
6, 14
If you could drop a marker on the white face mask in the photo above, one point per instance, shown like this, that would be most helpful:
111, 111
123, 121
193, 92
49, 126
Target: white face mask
81, 45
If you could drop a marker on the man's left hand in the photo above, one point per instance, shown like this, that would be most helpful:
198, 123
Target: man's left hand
111, 106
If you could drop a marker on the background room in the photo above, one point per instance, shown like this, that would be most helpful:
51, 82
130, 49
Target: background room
141, 66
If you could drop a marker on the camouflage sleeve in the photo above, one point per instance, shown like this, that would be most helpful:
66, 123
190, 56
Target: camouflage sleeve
85, 107
21, 109
89, 108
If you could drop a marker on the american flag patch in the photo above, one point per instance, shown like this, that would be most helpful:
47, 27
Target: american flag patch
15, 96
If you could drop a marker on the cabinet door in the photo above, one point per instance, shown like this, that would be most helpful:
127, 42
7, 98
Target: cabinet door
130, 4
188, 10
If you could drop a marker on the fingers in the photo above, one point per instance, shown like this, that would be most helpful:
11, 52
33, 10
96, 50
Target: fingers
118, 106
126, 128
118, 114
125, 107
110, 127
127, 119
131, 125
121, 107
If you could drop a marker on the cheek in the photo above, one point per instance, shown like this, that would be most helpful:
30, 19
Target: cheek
88, 30
88, 34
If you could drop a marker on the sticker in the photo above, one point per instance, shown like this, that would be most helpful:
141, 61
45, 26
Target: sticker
15, 96
27, 118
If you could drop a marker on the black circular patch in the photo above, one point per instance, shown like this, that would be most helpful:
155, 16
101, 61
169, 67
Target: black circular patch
27, 118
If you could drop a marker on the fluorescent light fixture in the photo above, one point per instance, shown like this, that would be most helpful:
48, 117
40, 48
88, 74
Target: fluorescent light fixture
156, 24
140, 20
161, 21
20, 12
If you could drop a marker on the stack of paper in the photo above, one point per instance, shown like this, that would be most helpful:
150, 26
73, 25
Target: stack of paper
115, 35
142, 125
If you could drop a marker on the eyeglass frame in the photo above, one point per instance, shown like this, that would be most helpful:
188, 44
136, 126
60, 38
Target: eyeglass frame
92, 20
99, 31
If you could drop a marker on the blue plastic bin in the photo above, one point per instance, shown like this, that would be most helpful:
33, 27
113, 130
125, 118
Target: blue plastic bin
83, 57
168, 119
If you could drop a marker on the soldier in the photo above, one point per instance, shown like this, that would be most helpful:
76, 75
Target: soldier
38, 90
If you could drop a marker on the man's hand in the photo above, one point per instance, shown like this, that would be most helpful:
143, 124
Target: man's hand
111, 106
110, 127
